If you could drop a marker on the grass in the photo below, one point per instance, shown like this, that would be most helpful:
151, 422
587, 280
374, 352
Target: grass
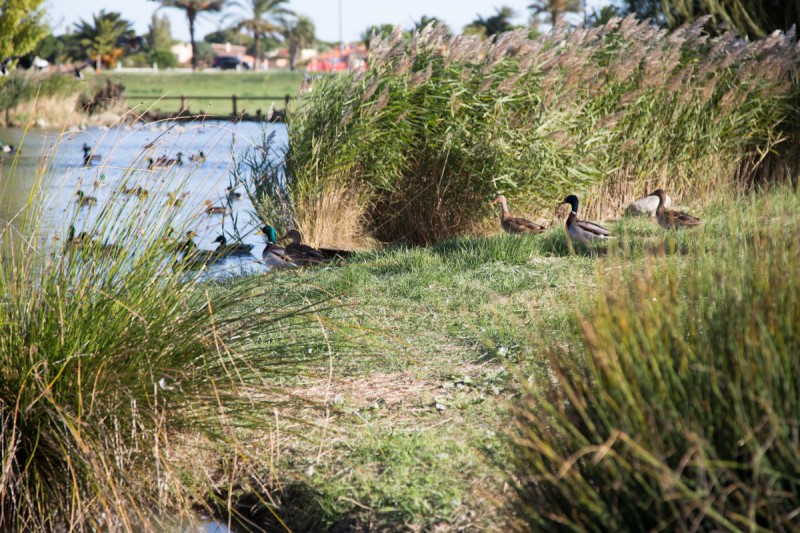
418, 400
149, 87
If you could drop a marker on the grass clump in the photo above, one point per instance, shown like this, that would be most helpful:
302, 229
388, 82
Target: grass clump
681, 409
110, 356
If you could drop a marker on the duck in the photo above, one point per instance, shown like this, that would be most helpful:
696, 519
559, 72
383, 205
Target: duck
515, 225
9, 149
238, 248
84, 240
184, 246
85, 200
174, 199
141, 192
232, 195
274, 255
164, 162
89, 157
212, 209
302, 254
199, 157
670, 218
198, 258
583, 230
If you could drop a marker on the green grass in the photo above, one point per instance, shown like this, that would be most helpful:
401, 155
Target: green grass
417, 397
151, 86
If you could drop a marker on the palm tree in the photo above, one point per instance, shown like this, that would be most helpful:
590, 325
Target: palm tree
99, 37
262, 19
498, 23
425, 21
299, 33
556, 9
193, 8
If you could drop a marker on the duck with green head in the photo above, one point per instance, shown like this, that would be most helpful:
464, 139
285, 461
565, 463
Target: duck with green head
583, 230
85, 200
274, 254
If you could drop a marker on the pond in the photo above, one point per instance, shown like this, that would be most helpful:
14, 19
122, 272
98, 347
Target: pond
122, 165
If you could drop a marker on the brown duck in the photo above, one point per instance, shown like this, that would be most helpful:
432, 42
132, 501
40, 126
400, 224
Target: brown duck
302, 254
669, 218
515, 225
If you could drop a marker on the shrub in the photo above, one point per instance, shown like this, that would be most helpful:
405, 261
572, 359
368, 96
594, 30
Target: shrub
683, 415
435, 127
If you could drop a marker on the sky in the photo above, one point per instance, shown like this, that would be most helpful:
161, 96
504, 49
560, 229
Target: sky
357, 15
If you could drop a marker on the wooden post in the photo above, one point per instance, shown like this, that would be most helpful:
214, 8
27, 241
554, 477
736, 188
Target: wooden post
233, 101
286, 105
183, 103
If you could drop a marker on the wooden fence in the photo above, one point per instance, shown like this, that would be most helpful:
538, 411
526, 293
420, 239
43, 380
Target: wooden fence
184, 111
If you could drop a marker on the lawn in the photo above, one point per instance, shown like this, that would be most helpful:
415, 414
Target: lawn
421, 358
145, 89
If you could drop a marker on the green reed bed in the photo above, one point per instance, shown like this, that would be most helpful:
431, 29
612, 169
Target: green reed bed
675, 405
113, 355
435, 127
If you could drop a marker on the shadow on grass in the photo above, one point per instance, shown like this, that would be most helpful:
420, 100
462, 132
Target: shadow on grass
297, 508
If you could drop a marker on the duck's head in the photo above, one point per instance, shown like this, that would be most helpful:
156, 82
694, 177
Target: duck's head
499, 200
659, 193
221, 240
294, 235
71, 233
269, 231
572, 200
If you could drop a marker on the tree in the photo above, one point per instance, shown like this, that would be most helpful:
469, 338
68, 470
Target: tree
159, 38
604, 16
555, 9
380, 30
21, 27
194, 8
754, 18
99, 37
262, 20
299, 33
425, 21
498, 23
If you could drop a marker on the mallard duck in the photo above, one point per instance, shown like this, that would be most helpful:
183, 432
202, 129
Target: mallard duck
186, 245
199, 157
238, 248
89, 157
514, 225
85, 200
274, 255
84, 240
9, 149
212, 209
583, 230
174, 199
233, 195
141, 192
164, 162
669, 218
302, 254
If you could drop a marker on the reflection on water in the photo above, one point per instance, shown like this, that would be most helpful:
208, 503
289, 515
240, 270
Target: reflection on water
122, 170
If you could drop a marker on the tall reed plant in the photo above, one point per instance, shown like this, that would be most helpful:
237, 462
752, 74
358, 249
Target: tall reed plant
435, 126
111, 350
680, 408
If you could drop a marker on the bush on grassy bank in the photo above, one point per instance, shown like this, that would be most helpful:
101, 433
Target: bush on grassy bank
435, 127
109, 355
683, 415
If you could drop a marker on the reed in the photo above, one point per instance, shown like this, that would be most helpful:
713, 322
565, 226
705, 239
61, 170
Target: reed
677, 408
436, 126
111, 353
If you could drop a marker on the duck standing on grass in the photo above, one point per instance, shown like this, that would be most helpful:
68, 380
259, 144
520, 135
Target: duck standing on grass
583, 230
302, 254
274, 254
669, 218
514, 225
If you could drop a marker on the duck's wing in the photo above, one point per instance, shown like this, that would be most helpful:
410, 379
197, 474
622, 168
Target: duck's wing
521, 225
304, 254
592, 228
677, 219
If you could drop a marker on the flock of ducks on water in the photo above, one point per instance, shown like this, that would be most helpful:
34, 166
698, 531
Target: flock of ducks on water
163, 161
586, 231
